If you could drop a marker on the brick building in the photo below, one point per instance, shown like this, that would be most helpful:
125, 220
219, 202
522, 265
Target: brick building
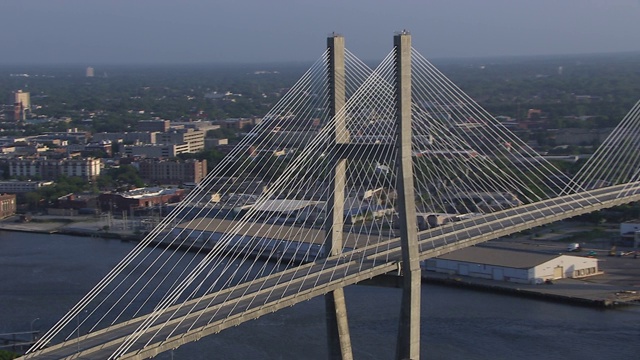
173, 171
139, 199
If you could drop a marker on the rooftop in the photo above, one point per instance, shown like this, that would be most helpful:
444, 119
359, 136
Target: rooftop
499, 257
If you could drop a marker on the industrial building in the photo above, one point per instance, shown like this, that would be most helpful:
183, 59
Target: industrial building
511, 265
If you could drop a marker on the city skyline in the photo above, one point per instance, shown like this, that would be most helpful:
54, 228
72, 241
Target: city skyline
251, 31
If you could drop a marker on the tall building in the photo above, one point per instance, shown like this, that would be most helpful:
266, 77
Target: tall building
90, 72
21, 105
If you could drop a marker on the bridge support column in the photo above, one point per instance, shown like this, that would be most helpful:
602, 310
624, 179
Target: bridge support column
408, 346
338, 336
339, 339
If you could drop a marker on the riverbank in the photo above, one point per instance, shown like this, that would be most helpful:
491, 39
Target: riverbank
574, 291
618, 285
89, 226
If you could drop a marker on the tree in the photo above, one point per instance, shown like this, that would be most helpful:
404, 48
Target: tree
8, 355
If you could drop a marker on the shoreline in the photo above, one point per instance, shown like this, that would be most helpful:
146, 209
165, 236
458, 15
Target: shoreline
570, 291
581, 292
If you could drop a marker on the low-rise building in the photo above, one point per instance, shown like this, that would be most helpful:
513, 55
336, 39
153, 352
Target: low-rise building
194, 139
238, 123
137, 199
511, 265
173, 171
153, 125
17, 187
71, 135
155, 151
8, 205
134, 137
196, 125
50, 169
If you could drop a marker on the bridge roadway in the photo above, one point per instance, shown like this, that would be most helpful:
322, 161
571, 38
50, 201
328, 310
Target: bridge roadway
212, 313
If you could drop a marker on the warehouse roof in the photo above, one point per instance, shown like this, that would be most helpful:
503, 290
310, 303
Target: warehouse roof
499, 257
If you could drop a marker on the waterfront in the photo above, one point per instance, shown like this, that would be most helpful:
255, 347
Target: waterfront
43, 275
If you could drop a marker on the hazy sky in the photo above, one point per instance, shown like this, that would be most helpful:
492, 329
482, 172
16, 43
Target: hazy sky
177, 31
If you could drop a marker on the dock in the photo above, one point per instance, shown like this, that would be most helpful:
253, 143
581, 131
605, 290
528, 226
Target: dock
587, 292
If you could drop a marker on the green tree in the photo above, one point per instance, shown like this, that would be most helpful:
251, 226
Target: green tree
8, 355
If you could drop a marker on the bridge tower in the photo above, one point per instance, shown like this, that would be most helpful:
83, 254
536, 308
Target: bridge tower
408, 345
336, 310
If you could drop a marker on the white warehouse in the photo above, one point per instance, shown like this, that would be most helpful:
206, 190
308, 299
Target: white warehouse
511, 265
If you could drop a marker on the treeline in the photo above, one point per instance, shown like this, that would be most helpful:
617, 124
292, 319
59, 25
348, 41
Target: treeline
604, 86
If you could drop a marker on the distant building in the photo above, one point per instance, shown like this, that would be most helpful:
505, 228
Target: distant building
139, 199
8, 205
50, 169
155, 151
196, 125
194, 139
247, 150
90, 72
23, 98
511, 265
16, 187
21, 105
238, 123
153, 125
135, 137
104, 146
79, 201
71, 135
173, 171
209, 143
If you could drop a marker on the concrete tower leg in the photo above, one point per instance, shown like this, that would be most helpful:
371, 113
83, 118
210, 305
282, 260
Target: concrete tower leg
408, 346
339, 339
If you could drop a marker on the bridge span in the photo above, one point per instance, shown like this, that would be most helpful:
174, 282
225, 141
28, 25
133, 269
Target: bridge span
210, 314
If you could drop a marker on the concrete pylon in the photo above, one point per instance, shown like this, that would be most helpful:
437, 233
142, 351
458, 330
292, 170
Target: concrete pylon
338, 336
408, 346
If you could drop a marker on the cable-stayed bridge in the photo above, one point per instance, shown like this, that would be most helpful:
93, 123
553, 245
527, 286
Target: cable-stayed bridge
341, 182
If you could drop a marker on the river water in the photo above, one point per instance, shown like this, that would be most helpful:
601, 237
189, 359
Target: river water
42, 276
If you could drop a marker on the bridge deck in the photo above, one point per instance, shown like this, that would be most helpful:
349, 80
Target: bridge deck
214, 312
